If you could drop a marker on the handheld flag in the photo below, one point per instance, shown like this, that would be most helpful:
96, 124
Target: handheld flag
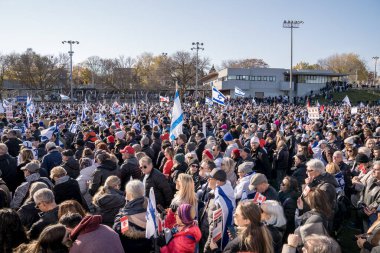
48, 132
217, 96
177, 118
259, 198
346, 101
64, 97
164, 99
239, 92
208, 101
151, 222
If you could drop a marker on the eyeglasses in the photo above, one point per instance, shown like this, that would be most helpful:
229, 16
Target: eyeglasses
349, 150
194, 165
143, 167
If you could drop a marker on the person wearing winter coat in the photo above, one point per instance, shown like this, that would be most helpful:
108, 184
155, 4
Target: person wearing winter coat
108, 200
186, 234
281, 156
8, 165
31, 173
87, 169
318, 219
242, 190
70, 164
288, 195
133, 239
224, 199
65, 187
299, 169
52, 158
130, 167
154, 178
91, 236
107, 167
28, 212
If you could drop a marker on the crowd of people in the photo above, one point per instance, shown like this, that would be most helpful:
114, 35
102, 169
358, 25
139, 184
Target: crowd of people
240, 178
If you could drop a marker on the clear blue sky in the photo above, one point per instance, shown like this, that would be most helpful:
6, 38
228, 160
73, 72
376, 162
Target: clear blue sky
230, 29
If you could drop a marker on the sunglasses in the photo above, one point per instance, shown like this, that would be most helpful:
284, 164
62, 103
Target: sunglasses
143, 167
194, 165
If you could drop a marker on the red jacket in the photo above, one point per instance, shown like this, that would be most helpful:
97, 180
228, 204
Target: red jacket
183, 241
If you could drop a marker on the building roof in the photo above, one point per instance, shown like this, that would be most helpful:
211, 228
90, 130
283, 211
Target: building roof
316, 73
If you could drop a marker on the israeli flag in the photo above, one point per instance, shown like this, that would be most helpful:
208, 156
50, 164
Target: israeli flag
151, 211
239, 92
64, 97
177, 118
134, 110
83, 115
30, 108
217, 96
73, 128
346, 101
208, 101
48, 132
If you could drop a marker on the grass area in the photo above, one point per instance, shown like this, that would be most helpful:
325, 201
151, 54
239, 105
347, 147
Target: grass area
355, 96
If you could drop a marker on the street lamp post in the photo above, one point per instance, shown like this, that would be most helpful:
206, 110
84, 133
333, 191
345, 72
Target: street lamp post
71, 52
291, 24
197, 46
374, 74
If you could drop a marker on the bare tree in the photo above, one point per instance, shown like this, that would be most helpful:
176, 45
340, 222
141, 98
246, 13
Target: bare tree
245, 63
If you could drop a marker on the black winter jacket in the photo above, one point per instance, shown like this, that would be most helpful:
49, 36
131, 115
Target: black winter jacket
161, 187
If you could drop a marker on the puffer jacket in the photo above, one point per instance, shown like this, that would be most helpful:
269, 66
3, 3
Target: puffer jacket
108, 205
133, 240
183, 241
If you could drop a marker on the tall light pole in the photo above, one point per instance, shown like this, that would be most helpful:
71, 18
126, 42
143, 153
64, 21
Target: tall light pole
71, 52
291, 24
374, 74
197, 46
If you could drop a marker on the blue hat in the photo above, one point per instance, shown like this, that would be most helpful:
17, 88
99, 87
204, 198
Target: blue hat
228, 137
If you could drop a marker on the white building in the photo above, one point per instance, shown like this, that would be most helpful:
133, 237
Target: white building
269, 82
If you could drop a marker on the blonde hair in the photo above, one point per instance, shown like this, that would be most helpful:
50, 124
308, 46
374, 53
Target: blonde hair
26, 155
332, 168
111, 182
186, 194
58, 171
229, 164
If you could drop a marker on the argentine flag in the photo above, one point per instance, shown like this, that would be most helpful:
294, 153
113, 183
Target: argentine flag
177, 118
217, 96
239, 92
151, 212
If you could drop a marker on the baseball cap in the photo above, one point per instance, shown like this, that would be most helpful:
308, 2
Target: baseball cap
246, 167
31, 167
128, 150
257, 179
218, 174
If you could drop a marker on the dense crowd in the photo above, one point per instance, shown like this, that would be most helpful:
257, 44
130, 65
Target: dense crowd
280, 181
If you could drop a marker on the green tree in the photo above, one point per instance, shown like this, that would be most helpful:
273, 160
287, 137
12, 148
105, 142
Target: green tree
306, 65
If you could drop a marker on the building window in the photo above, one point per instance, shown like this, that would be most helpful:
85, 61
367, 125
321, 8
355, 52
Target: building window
258, 78
264, 78
231, 77
252, 78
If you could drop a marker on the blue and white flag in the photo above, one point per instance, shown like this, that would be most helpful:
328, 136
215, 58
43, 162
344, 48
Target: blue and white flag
64, 97
177, 118
30, 108
346, 101
134, 110
73, 128
151, 212
208, 101
239, 92
224, 197
340, 180
217, 96
48, 132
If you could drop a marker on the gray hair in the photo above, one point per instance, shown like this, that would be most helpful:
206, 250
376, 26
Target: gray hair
276, 213
376, 163
34, 188
145, 141
321, 244
135, 188
317, 165
44, 195
338, 153
364, 150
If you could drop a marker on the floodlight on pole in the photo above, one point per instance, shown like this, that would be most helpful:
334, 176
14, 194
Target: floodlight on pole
375, 74
197, 46
71, 52
291, 24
